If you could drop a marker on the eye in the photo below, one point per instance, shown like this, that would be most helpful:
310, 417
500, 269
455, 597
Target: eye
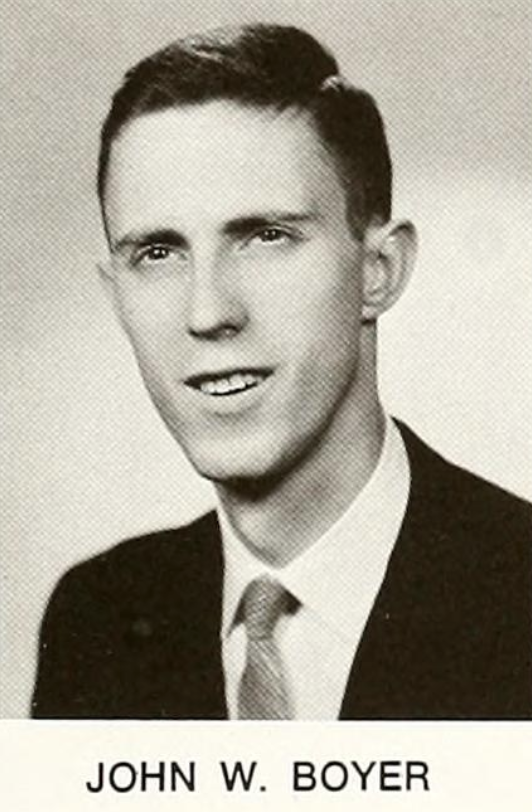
271, 234
159, 257
274, 238
153, 253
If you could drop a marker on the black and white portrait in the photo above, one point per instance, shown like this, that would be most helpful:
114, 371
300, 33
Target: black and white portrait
266, 314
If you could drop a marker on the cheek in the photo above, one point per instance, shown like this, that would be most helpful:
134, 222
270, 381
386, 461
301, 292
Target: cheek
150, 320
319, 312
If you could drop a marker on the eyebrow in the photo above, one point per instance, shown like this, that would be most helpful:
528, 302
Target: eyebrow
166, 236
237, 227
240, 226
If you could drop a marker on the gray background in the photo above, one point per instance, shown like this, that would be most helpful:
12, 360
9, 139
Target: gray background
85, 461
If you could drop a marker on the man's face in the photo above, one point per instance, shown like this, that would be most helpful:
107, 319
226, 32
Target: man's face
238, 282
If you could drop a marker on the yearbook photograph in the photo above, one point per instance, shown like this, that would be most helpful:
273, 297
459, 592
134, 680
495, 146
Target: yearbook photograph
267, 381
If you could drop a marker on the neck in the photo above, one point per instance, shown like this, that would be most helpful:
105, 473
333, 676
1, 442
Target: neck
278, 523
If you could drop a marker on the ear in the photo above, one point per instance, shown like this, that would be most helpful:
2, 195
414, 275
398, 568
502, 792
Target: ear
390, 256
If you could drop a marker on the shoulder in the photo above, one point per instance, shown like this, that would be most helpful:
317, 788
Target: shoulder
464, 497
137, 566
113, 619
467, 532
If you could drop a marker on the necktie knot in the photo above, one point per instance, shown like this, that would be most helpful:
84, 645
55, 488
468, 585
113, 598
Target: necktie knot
264, 601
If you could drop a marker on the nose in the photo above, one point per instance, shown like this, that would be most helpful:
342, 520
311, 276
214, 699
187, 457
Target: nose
215, 307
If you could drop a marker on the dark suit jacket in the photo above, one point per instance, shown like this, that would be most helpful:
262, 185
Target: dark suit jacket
134, 632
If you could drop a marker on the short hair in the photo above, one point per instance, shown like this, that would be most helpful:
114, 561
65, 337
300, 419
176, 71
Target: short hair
265, 66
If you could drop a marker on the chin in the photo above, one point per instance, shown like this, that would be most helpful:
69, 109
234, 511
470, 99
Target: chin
250, 467
232, 471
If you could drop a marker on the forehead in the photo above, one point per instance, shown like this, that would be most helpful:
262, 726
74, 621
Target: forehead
218, 159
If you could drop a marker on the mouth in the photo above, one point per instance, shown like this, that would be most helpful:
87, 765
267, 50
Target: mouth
228, 383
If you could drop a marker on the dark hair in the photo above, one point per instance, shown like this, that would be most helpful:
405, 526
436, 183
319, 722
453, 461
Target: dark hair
265, 66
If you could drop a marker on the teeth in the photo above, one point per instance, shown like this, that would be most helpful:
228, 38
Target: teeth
237, 382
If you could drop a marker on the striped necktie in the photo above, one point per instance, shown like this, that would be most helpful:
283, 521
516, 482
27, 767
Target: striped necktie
263, 692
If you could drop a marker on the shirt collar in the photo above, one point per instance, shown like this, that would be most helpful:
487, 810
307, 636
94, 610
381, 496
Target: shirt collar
335, 578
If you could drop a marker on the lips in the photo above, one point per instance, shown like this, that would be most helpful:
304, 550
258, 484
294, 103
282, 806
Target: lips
228, 382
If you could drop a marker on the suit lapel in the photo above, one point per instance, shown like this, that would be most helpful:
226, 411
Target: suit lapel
206, 657
389, 677
193, 641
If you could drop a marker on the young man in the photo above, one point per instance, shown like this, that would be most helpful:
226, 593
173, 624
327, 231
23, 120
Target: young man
349, 571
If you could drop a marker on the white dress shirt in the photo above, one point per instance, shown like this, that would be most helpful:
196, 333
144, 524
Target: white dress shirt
336, 581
